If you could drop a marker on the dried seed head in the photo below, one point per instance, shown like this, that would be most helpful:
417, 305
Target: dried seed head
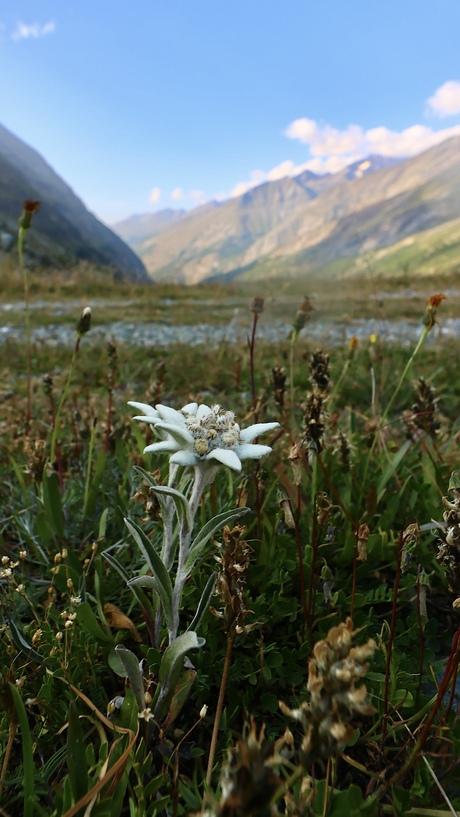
320, 370
248, 781
84, 323
448, 553
302, 316
362, 536
47, 384
429, 318
234, 558
333, 672
257, 305
352, 346
424, 409
279, 384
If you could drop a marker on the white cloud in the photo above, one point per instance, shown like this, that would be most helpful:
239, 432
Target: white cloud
325, 140
354, 143
330, 164
177, 194
34, 30
155, 195
332, 149
198, 196
445, 100
243, 187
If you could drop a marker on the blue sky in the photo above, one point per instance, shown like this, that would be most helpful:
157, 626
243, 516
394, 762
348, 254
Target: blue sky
148, 104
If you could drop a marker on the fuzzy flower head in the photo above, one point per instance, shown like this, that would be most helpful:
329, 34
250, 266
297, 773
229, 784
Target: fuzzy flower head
429, 318
203, 435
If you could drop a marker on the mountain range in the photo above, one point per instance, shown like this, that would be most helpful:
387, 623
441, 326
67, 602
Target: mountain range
64, 231
371, 211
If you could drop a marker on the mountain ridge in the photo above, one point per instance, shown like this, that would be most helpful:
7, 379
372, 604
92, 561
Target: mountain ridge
311, 220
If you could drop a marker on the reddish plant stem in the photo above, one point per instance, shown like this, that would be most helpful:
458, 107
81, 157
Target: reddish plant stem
453, 675
451, 669
390, 640
220, 704
336, 494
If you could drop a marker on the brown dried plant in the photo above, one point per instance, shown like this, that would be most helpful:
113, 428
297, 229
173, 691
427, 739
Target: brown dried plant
448, 554
234, 558
333, 672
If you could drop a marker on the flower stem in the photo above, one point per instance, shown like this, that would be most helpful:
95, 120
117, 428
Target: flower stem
291, 374
88, 468
220, 704
420, 343
298, 537
202, 479
390, 641
295, 776
62, 401
385, 414
25, 280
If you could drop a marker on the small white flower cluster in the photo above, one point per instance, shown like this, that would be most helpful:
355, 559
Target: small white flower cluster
68, 618
8, 567
202, 435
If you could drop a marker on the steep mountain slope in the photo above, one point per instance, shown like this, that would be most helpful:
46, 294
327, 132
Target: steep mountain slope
138, 228
64, 230
310, 221
210, 240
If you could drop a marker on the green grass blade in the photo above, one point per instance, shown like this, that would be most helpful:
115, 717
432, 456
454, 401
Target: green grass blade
76, 755
203, 604
208, 530
27, 753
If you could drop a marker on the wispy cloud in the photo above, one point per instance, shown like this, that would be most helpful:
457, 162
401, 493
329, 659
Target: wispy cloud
445, 100
23, 31
198, 196
286, 168
155, 195
177, 194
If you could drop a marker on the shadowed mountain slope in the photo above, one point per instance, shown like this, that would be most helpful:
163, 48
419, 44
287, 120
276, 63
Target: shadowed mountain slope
64, 231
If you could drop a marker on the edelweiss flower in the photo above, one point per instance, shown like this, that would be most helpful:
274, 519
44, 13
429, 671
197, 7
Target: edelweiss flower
198, 435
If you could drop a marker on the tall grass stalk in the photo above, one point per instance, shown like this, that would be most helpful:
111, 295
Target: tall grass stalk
83, 326
257, 308
62, 401
399, 385
25, 282
391, 636
88, 467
